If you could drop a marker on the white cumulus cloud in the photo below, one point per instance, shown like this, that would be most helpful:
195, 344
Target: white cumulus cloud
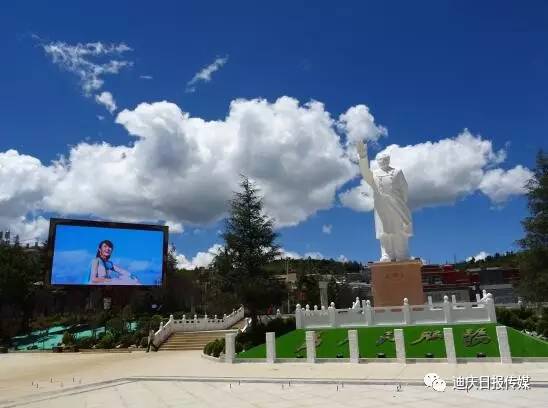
499, 184
107, 100
182, 170
201, 259
479, 257
447, 170
359, 124
326, 228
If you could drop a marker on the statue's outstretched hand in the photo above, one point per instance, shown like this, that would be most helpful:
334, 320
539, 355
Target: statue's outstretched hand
362, 151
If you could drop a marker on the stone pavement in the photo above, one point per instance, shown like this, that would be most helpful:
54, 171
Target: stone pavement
174, 379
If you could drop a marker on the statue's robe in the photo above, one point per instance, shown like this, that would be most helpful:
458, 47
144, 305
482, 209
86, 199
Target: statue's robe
392, 216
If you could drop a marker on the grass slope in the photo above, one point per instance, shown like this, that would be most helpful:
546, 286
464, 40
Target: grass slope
490, 349
420, 349
333, 342
368, 342
522, 345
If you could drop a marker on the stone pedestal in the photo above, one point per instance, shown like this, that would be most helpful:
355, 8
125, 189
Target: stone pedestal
270, 347
391, 282
230, 347
353, 346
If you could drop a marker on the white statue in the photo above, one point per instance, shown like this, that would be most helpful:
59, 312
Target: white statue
393, 225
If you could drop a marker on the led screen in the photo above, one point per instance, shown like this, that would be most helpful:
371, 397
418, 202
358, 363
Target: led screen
106, 255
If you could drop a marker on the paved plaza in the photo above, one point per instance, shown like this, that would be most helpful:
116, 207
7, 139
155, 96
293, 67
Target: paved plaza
176, 379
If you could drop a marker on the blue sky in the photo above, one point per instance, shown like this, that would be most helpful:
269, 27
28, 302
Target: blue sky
425, 72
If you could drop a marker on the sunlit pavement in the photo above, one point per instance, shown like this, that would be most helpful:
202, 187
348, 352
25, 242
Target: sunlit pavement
184, 378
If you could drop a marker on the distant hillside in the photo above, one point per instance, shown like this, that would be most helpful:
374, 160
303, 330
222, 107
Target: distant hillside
508, 259
309, 265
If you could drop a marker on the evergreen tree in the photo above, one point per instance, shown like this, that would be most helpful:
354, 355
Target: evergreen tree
250, 244
534, 258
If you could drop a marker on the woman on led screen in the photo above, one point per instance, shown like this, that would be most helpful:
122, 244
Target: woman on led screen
103, 271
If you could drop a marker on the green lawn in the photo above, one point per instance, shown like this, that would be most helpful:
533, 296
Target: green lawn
369, 343
522, 345
333, 342
286, 347
470, 339
488, 345
435, 344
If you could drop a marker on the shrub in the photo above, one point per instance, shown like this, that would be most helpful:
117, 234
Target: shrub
144, 341
84, 343
127, 340
215, 348
68, 338
107, 341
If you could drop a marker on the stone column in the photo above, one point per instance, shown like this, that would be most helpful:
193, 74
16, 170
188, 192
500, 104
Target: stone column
230, 347
447, 309
406, 311
270, 347
449, 345
400, 345
332, 312
353, 346
504, 346
310, 346
298, 317
323, 294
490, 304
368, 312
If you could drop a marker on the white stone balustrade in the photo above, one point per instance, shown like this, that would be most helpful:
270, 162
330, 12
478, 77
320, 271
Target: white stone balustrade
196, 324
361, 314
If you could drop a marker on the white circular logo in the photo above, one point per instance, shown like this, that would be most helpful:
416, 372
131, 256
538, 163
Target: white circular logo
439, 385
429, 379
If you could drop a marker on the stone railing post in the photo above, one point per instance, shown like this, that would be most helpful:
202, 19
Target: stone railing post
310, 346
368, 313
298, 317
490, 305
332, 315
504, 346
449, 345
353, 347
230, 347
270, 347
406, 311
400, 345
447, 309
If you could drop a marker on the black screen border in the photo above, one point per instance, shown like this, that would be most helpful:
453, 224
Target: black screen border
54, 222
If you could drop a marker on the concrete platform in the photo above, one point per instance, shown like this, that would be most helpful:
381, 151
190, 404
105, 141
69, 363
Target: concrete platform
184, 378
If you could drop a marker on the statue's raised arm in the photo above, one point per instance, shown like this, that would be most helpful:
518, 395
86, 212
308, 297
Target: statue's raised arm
367, 174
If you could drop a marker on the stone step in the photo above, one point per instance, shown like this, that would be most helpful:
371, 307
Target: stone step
192, 340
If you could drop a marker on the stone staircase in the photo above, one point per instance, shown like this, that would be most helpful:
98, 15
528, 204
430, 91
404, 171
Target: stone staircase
192, 340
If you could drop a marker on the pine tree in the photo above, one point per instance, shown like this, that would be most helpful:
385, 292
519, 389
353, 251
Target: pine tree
250, 244
534, 258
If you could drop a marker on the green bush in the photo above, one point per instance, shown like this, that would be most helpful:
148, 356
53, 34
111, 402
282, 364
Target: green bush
84, 343
107, 341
127, 340
68, 338
215, 348
144, 341
519, 319
542, 324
